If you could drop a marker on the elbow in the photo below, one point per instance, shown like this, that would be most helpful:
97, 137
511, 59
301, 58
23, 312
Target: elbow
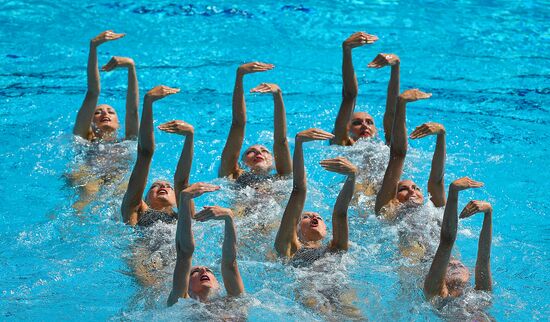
186, 251
281, 141
146, 152
398, 152
93, 91
349, 93
240, 122
447, 238
230, 264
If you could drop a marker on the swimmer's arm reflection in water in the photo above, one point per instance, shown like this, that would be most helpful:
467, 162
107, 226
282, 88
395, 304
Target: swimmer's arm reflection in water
230, 156
349, 87
281, 151
398, 149
183, 285
449, 280
286, 241
340, 227
84, 118
131, 122
133, 204
436, 184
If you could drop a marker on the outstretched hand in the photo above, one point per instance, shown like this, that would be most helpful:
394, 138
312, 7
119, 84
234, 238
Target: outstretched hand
474, 207
106, 36
426, 129
465, 183
177, 127
382, 60
339, 165
160, 91
313, 134
359, 39
266, 88
414, 94
254, 67
213, 213
198, 189
118, 62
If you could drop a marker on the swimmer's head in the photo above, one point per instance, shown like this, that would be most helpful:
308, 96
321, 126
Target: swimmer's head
202, 283
409, 192
311, 227
457, 277
258, 159
361, 126
105, 119
161, 195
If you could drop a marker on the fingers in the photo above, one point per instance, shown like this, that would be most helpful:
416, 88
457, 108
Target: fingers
262, 88
199, 188
318, 134
378, 62
205, 214
421, 131
176, 126
110, 65
338, 165
473, 207
359, 39
261, 67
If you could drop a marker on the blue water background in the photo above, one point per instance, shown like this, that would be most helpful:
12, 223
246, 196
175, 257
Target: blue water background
486, 63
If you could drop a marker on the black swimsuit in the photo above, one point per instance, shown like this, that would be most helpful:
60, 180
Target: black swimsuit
151, 216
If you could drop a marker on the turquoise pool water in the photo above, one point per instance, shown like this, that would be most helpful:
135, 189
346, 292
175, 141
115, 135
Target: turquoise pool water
486, 63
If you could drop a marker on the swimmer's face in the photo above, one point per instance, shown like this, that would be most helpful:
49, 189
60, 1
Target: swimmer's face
362, 126
408, 191
161, 195
202, 282
105, 118
457, 274
312, 226
258, 158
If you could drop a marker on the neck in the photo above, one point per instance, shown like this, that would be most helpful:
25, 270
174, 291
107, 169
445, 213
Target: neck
312, 244
105, 136
167, 209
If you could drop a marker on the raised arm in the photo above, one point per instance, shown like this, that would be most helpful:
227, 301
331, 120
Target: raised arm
436, 184
230, 155
286, 242
484, 280
340, 212
349, 87
281, 150
398, 149
132, 204
185, 243
82, 126
434, 284
392, 60
183, 169
132, 94
230, 269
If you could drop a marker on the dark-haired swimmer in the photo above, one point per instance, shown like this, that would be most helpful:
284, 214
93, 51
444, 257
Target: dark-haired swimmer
198, 282
351, 126
160, 200
395, 192
257, 157
300, 234
100, 122
448, 276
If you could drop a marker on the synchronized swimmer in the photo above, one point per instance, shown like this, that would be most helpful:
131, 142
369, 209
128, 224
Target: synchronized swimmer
301, 233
